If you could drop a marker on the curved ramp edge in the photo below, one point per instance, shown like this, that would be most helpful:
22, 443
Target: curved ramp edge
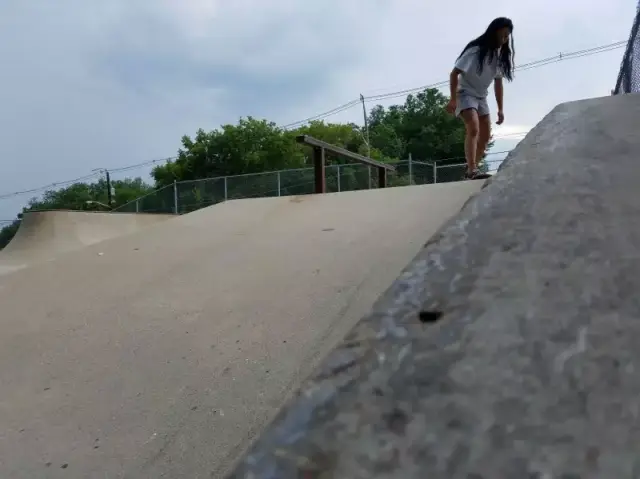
531, 368
44, 235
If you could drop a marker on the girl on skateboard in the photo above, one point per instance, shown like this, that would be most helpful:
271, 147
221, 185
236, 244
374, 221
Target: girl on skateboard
488, 58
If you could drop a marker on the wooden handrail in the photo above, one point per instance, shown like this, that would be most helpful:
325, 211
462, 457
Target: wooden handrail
319, 160
311, 141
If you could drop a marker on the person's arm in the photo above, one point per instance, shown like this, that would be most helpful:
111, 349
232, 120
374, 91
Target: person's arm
499, 89
453, 89
453, 81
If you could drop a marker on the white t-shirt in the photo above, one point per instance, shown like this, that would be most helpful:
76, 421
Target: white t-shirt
471, 81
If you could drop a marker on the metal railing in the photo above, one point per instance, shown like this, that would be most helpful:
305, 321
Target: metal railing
629, 75
186, 196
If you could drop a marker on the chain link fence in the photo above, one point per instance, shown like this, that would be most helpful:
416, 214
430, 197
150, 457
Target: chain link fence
187, 196
629, 75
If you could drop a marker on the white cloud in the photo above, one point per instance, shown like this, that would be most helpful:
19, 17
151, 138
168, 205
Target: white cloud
107, 84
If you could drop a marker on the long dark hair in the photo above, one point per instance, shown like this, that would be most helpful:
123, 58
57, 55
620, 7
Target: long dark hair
488, 44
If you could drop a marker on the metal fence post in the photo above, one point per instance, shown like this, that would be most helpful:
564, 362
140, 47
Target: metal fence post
225, 189
628, 80
369, 176
435, 172
410, 169
278, 175
137, 206
338, 176
175, 197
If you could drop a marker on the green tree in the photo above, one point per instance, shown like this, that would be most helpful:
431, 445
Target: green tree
90, 196
251, 146
8, 232
257, 149
386, 130
421, 127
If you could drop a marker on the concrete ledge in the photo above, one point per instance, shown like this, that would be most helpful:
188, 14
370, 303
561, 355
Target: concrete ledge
532, 369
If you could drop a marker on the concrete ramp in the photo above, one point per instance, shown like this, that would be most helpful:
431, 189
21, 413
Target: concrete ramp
44, 235
166, 355
509, 348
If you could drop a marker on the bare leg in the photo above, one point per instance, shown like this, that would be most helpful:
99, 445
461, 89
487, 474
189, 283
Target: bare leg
472, 127
484, 133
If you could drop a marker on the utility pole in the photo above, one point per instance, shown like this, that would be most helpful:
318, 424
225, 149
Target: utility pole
366, 124
108, 180
109, 196
366, 129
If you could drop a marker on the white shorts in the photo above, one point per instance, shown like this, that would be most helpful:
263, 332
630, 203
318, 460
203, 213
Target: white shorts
466, 101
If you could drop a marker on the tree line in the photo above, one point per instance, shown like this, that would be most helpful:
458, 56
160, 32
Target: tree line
419, 127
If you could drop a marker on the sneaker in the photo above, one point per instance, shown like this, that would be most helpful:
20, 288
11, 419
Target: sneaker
476, 175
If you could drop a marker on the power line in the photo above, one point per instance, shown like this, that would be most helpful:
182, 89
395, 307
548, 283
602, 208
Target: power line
525, 66
82, 178
334, 111
49, 186
346, 106
140, 165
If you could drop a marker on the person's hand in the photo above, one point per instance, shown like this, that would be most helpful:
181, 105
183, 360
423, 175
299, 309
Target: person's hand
451, 106
500, 118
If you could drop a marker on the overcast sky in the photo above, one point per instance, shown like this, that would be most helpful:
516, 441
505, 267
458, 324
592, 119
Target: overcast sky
89, 84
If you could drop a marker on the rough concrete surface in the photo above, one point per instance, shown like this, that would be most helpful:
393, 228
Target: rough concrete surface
163, 353
44, 235
509, 348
